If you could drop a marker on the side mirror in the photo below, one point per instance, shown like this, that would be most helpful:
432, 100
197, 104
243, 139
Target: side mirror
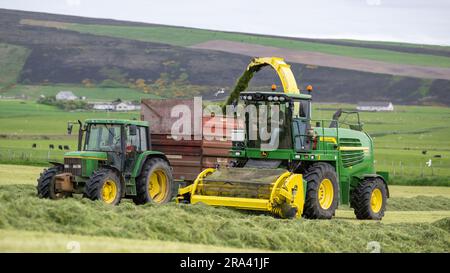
133, 130
69, 128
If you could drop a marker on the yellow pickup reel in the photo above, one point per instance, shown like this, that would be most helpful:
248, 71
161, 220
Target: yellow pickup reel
277, 191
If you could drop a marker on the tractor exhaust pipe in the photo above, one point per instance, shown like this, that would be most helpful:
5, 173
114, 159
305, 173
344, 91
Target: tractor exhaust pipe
80, 135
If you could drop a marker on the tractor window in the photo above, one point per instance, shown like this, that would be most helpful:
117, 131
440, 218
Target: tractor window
103, 137
139, 141
134, 140
143, 131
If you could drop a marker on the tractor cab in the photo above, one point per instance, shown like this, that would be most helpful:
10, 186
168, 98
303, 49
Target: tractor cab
115, 141
289, 114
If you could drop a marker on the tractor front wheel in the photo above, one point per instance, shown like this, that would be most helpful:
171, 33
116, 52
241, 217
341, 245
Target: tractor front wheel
155, 183
104, 185
369, 199
46, 184
322, 193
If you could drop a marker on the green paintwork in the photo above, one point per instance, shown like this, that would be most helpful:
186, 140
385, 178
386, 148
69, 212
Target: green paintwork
140, 160
118, 121
86, 154
336, 146
127, 164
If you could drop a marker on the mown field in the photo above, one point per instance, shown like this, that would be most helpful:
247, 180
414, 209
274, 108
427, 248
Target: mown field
401, 137
417, 220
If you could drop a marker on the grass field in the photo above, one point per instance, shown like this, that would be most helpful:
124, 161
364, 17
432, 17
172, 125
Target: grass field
32, 241
32, 224
189, 36
400, 137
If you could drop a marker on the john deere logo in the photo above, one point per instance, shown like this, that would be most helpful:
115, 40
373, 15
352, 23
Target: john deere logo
264, 154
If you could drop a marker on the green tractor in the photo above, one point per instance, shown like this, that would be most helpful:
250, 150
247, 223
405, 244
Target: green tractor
314, 166
113, 161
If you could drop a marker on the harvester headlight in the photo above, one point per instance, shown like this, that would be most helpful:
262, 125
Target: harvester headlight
270, 98
66, 166
282, 99
275, 98
238, 153
244, 97
77, 166
249, 97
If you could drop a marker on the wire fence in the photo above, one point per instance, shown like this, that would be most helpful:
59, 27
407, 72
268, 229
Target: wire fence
30, 155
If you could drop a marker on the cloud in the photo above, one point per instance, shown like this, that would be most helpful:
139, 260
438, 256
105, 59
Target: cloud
73, 3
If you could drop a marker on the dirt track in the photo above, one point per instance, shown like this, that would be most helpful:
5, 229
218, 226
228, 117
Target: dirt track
321, 59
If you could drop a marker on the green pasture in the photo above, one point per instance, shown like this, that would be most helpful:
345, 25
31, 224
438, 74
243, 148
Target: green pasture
189, 36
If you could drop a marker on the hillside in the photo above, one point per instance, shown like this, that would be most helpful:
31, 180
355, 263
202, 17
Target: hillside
39, 49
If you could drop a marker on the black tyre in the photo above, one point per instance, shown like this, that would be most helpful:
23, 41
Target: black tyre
104, 185
369, 199
46, 184
155, 183
322, 192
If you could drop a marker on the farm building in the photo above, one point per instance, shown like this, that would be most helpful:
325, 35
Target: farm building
103, 106
116, 106
375, 106
66, 95
126, 106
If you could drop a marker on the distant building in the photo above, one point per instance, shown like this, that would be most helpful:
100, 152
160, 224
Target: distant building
103, 106
375, 106
66, 95
126, 106
116, 106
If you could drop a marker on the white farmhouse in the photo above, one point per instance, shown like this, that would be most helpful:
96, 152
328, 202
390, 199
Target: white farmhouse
66, 95
103, 106
375, 106
126, 106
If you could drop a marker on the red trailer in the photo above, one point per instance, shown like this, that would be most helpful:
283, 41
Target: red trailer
188, 156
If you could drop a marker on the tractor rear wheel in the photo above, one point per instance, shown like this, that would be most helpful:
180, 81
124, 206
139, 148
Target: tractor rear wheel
155, 183
104, 185
369, 199
322, 193
46, 184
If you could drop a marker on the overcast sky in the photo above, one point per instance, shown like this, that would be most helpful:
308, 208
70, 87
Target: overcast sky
416, 21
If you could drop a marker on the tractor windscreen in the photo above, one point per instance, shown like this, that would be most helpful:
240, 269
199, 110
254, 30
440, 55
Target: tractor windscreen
103, 137
269, 130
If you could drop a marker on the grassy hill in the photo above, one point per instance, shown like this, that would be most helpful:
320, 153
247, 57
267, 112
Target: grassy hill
68, 50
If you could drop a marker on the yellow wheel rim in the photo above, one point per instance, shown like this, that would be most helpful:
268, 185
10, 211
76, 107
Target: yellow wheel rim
157, 186
376, 200
109, 191
325, 193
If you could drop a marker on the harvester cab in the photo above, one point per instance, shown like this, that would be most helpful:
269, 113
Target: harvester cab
300, 169
113, 161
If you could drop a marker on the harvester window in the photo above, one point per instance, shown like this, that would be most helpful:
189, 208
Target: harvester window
305, 108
